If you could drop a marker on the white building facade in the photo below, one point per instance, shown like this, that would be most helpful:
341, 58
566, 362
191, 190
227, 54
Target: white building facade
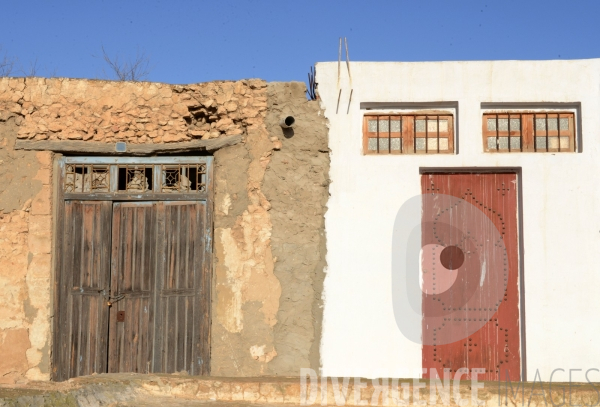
558, 224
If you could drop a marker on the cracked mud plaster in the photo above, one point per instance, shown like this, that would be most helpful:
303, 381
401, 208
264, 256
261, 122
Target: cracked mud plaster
70, 109
247, 292
270, 196
17, 168
296, 184
25, 264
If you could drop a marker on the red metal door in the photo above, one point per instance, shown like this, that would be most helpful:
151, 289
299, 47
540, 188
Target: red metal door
469, 234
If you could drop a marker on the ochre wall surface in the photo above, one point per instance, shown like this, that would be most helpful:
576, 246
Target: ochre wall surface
25, 259
270, 196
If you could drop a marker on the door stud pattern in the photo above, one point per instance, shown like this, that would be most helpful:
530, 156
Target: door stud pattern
495, 347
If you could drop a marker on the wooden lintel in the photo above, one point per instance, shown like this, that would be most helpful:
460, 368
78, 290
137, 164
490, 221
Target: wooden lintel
94, 147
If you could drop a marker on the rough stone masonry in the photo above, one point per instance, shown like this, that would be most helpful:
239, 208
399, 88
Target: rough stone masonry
270, 198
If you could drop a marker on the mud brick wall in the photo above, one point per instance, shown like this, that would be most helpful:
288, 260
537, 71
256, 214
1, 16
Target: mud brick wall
25, 259
270, 197
270, 242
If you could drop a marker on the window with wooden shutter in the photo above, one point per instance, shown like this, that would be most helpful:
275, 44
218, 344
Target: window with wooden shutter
529, 132
408, 134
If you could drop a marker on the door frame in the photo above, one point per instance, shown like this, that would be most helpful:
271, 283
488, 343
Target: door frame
59, 365
518, 171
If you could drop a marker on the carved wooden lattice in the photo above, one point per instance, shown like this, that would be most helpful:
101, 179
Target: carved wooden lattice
126, 176
86, 178
183, 178
135, 178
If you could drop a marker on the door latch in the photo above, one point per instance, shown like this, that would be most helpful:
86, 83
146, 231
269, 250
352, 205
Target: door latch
111, 300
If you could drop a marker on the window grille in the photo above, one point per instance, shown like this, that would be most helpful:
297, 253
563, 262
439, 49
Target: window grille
86, 178
183, 178
135, 178
408, 134
529, 132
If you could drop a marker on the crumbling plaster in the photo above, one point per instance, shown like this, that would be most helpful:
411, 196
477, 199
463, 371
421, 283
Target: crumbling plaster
25, 258
270, 243
297, 186
270, 195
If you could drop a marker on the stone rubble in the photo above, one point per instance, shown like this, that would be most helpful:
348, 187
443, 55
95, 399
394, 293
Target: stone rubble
134, 112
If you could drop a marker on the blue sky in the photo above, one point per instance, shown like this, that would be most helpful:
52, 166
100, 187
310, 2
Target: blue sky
197, 41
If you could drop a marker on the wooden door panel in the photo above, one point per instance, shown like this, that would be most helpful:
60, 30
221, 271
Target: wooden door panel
148, 260
495, 346
151, 260
83, 315
178, 332
183, 290
134, 234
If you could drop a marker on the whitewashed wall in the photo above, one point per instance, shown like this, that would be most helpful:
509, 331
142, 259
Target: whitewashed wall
561, 214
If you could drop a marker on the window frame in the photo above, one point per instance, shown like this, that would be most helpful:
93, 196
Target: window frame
155, 193
408, 132
528, 132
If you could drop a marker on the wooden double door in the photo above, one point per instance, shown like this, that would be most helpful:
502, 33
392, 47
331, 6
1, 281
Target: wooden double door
471, 262
134, 288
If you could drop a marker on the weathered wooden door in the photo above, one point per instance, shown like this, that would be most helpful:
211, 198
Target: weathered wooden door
137, 291
83, 322
133, 265
470, 274
132, 292
183, 290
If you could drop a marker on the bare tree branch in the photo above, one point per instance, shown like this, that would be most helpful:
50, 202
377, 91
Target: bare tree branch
7, 64
33, 69
136, 69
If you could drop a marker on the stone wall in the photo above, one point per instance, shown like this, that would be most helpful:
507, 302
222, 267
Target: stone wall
135, 112
270, 195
